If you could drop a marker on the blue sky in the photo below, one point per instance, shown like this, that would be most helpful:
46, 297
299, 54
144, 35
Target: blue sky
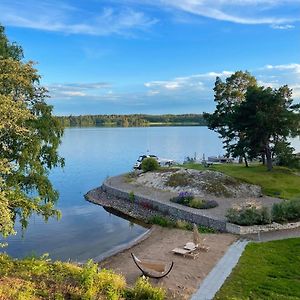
159, 56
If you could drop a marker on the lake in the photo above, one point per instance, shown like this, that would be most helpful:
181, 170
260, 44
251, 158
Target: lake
91, 154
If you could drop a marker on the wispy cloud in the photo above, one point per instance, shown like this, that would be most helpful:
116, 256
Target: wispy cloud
192, 93
193, 82
58, 17
67, 90
271, 12
295, 68
282, 27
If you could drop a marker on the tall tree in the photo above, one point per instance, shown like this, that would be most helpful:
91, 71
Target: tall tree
267, 118
228, 96
29, 137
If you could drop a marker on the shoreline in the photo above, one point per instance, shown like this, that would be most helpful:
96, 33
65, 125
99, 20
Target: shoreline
116, 194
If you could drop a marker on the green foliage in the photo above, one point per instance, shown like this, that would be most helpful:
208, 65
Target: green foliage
131, 196
252, 120
134, 120
265, 271
162, 221
39, 278
228, 97
288, 210
29, 138
178, 179
7, 49
189, 200
267, 117
285, 156
143, 290
180, 224
281, 182
149, 164
247, 216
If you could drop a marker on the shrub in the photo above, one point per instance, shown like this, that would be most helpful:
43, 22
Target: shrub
149, 164
188, 199
131, 196
249, 214
143, 290
161, 221
178, 179
288, 210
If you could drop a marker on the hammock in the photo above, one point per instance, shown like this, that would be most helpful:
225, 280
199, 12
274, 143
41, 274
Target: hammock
153, 269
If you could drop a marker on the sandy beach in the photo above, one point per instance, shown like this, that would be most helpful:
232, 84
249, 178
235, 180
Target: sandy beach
187, 273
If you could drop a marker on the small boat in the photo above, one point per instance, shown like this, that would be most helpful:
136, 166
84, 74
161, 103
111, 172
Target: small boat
163, 162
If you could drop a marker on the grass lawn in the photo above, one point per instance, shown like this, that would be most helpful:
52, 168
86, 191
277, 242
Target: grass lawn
268, 270
281, 182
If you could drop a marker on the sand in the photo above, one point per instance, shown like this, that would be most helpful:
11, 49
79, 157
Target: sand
187, 273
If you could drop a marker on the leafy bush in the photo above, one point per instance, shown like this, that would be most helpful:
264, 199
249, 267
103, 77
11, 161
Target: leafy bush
188, 199
288, 210
38, 278
249, 214
180, 224
161, 221
149, 164
178, 179
143, 290
131, 196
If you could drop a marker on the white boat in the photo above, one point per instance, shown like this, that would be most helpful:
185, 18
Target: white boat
163, 162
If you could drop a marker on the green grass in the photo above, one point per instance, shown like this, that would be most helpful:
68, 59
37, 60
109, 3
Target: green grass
281, 182
39, 278
268, 270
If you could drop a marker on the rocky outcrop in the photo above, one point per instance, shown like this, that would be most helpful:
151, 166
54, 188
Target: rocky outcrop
200, 183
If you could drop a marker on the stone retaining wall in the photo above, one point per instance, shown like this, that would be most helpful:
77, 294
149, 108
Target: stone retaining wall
177, 211
169, 209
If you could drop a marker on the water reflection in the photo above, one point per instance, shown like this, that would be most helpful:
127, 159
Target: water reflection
87, 230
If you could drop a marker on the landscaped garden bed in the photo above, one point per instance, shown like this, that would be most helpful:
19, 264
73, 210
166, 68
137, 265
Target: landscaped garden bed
188, 199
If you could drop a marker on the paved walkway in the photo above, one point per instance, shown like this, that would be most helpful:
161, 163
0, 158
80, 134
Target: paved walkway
215, 279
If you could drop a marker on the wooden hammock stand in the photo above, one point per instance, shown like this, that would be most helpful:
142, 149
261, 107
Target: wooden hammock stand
153, 269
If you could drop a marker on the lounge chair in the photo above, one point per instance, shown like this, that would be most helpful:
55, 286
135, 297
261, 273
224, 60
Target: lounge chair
153, 269
190, 248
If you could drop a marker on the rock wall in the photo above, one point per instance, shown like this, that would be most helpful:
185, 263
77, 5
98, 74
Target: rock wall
170, 209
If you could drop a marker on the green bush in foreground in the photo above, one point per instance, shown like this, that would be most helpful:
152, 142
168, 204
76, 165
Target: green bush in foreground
284, 211
143, 290
35, 279
149, 164
265, 271
247, 215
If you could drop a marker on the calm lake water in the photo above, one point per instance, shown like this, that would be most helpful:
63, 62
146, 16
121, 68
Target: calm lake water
86, 230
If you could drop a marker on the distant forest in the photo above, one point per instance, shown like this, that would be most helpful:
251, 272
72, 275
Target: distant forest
137, 120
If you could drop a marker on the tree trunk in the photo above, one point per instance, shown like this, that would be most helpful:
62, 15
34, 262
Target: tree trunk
269, 158
263, 159
246, 161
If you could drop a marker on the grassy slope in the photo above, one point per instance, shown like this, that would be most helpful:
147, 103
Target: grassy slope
35, 279
281, 182
268, 270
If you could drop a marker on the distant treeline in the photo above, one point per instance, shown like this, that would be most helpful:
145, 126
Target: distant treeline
137, 120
